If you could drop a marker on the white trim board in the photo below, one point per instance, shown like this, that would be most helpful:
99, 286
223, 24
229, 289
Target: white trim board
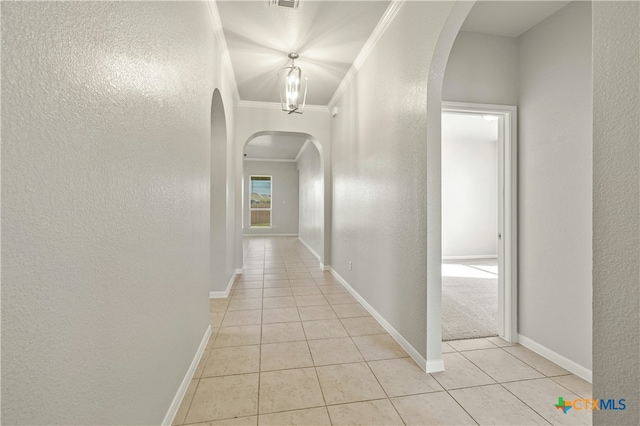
507, 210
480, 256
566, 363
182, 390
366, 50
302, 148
225, 293
313, 252
269, 235
432, 367
227, 66
273, 160
278, 105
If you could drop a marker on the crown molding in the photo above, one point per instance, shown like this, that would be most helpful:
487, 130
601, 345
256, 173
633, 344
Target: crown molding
277, 105
375, 36
224, 49
271, 160
302, 148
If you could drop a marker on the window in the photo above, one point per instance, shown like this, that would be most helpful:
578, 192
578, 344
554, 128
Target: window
260, 190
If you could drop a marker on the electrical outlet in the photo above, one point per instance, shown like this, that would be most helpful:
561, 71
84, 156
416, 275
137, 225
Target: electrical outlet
350, 265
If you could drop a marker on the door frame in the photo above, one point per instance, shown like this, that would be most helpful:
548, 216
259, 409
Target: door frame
507, 210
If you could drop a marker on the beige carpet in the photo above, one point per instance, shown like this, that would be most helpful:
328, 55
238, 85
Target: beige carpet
469, 299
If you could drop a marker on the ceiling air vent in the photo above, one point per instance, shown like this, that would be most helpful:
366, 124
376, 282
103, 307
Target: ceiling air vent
291, 4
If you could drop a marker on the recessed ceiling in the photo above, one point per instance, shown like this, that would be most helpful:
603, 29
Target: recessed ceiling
509, 18
274, 147
328, 36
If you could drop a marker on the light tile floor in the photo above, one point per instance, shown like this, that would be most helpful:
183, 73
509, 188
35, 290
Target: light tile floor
292, 346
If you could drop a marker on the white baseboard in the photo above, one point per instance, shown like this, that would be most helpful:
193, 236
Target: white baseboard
313, 252
435, 366
177, 399
269, 235
225, 293
325, 267
476, 256
392, 331
239, 271
555, 357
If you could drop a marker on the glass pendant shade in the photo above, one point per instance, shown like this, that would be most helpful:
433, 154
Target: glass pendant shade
293, 87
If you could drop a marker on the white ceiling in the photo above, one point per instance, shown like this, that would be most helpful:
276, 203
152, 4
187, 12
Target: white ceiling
468, 127
275, 147
328, 35
509, 18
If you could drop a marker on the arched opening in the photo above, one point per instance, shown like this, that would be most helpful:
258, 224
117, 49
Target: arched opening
269, 152
434, 184
218, 198
546, 72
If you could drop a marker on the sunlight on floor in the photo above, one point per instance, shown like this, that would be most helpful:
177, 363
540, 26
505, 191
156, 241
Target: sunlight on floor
456, 270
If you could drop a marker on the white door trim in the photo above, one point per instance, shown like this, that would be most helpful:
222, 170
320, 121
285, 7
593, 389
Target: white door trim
508, 210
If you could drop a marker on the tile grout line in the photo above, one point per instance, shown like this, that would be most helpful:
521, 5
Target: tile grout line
520, 399
379, 384
315, 369
453, 398
320, 283
260, 352
503, 387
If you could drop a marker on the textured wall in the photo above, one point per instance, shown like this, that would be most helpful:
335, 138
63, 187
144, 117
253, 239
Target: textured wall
218, 196
284, 196
555, 173
616, 209
482, 68
469, 186
311, 198
379, 172
105, 212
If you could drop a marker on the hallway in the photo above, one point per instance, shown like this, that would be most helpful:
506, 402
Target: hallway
292, 346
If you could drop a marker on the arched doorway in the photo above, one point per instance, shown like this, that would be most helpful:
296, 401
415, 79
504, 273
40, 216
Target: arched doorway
309, 159
434, 183
219, 195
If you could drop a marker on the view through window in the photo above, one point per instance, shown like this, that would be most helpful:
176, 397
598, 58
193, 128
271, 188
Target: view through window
260, 200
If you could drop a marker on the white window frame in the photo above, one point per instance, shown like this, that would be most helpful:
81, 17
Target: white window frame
270, 209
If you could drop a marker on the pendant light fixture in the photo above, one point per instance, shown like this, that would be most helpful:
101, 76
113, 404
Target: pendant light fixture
291, 4
293, 87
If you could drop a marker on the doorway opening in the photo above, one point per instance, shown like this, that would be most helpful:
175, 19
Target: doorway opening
469, 226
479, 288
283, 189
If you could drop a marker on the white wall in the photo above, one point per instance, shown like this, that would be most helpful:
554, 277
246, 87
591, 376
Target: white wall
482, 68
555, 183
257, 117
220, 273
311, 198
469, 186
284, 196
616, 209
379, 172
105, 213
